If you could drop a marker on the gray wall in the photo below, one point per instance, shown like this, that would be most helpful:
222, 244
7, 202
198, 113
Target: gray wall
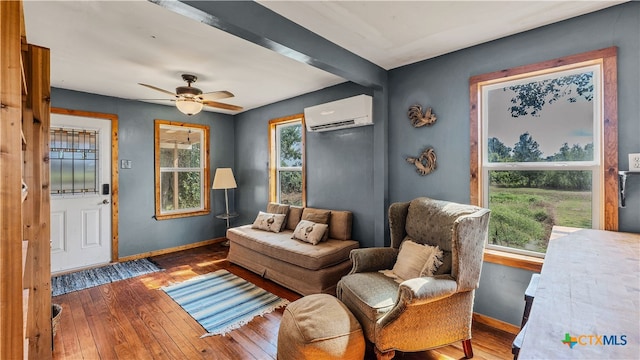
138, 231
443, 83
338, 163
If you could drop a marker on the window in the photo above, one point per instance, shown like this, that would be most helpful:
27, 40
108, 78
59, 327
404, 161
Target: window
286, 161
543, 144
182, 169
74, 161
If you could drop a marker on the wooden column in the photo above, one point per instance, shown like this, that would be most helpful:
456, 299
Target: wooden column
25, 270
11, 316
36, 208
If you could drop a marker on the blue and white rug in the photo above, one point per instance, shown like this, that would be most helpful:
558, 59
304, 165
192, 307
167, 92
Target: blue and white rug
222, 302
85, 279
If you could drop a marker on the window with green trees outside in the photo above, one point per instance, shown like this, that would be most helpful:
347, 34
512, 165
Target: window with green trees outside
542, 149
182, 171
287, 183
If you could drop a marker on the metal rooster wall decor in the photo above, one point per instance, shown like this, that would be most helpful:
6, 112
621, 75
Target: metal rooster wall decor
418, 119
425, 163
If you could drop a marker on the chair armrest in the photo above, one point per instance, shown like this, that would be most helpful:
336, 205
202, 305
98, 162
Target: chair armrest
419, 292
372, 259
426, 289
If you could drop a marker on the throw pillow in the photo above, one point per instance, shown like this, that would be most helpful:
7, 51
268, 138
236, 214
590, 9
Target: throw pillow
268, 222
294, 216
415, 260
316, 215
275, 208
311, 232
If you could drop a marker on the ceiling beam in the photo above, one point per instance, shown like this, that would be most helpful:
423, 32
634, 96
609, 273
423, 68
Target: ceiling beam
259, 25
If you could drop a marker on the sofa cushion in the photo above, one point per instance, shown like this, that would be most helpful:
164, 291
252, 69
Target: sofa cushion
340, 222
441, 215
319, 216
268, 222
295, 214
311, 232
340, 225
280, 246
275, 208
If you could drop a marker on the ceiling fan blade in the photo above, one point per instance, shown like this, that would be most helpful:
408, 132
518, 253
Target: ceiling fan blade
158, 89
215, 95
153, 99
222, 105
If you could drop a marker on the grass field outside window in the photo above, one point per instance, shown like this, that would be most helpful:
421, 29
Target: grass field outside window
522, 218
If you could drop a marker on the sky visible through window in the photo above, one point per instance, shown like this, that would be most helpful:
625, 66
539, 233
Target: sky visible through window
566, 119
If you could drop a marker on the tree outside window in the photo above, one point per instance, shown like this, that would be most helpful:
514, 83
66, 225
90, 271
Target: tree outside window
287, 183
542, 150
182, 172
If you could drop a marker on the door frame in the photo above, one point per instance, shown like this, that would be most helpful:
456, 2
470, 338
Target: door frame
114, 167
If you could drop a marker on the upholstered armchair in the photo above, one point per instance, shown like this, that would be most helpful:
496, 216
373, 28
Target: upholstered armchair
424, 312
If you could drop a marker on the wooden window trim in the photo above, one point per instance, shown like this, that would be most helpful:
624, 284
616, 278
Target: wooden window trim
519, 261
206, 171
608, 58
273, 180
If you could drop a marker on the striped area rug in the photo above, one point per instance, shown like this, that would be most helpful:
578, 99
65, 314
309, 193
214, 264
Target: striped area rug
85, 279
222, 302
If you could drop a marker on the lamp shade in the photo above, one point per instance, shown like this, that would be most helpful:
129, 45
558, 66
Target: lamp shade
189, 106
224, 179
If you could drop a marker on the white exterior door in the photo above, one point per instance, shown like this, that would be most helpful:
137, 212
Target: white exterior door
80, 161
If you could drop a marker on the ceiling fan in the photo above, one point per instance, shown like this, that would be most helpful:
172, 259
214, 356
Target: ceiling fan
190, 100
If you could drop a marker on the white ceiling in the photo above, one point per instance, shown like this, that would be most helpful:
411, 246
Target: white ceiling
108, 47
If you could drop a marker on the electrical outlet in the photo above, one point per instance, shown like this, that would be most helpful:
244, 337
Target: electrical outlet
634, 162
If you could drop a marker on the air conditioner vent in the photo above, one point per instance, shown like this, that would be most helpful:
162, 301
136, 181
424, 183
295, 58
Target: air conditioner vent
333, 125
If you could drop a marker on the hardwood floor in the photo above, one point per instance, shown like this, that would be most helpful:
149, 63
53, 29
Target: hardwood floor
134, 319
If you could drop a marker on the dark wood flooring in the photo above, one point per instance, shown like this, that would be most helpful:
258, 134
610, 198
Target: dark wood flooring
134, 319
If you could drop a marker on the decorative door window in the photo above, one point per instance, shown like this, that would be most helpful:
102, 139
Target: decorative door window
74, 159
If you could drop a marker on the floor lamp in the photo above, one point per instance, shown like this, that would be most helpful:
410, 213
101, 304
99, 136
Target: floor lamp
224, 179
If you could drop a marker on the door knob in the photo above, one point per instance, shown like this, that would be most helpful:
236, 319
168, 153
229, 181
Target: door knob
105, 201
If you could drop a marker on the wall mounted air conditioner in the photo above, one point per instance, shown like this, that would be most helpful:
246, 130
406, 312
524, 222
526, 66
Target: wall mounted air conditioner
340, 114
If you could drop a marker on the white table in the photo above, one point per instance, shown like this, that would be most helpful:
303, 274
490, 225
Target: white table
589, 288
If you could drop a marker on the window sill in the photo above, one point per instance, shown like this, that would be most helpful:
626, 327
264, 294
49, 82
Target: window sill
530, 263
523, 261
181, 215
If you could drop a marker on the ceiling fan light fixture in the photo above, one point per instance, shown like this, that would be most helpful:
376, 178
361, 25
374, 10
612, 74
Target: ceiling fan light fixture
189, 106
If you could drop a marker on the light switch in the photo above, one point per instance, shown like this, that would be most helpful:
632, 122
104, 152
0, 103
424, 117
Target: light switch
125, 164
634, 162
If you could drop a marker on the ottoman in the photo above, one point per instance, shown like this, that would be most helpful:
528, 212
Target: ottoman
319, 326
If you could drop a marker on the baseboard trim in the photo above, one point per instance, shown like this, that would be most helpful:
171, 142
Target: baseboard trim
172, 250
495, 323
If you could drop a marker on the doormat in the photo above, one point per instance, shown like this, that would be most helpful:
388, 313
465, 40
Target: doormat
222, 302
88, 278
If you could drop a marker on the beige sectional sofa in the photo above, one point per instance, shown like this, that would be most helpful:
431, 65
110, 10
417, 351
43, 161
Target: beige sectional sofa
295, 264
